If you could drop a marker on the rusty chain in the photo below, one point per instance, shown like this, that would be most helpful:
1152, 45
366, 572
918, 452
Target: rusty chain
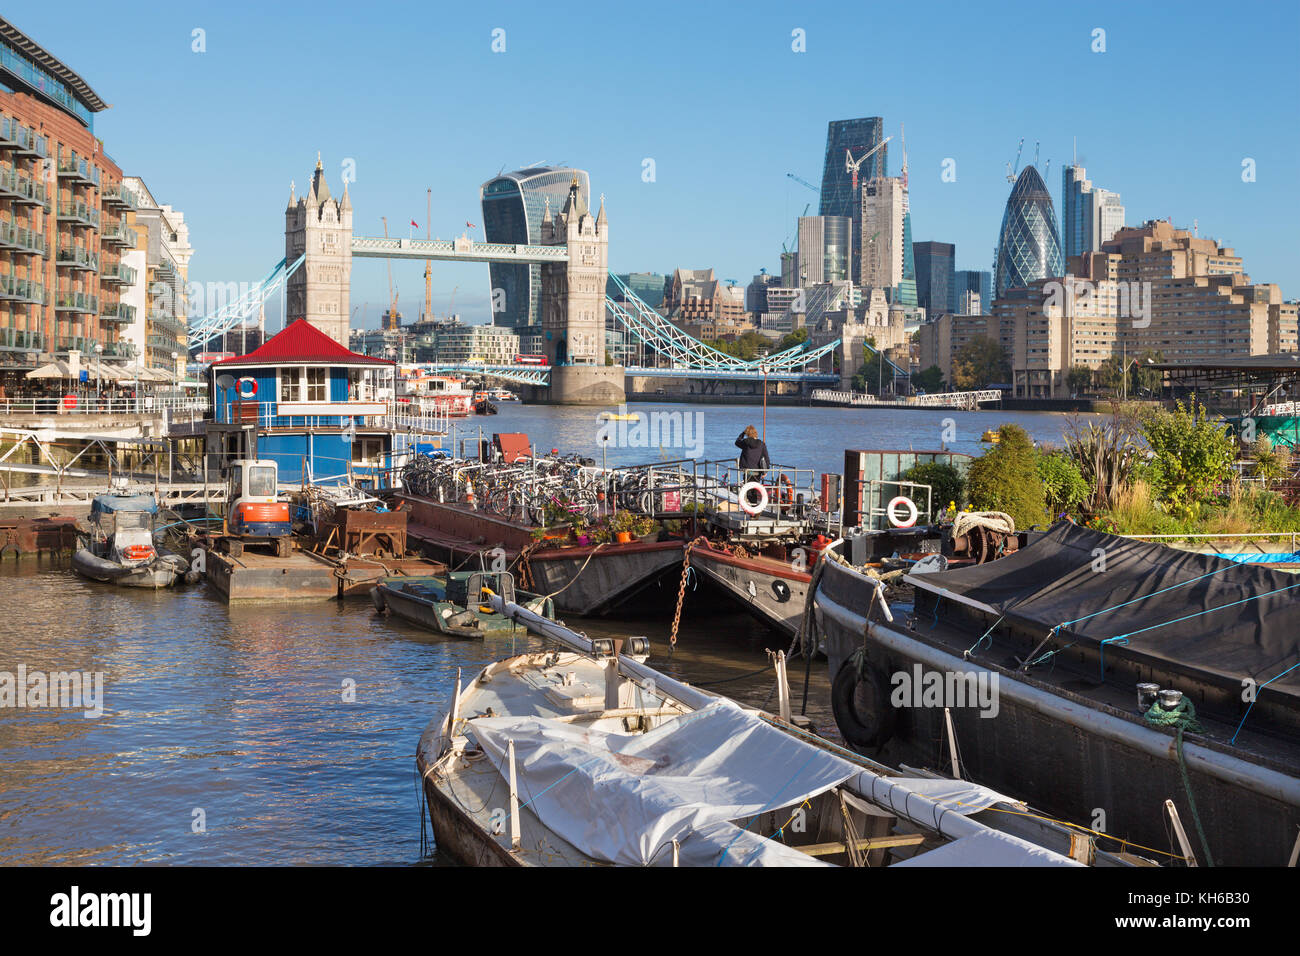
681, 590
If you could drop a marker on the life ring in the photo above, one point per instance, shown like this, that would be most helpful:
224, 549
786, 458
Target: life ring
69, 401
250, 381
745, 489
860, 701
911, 511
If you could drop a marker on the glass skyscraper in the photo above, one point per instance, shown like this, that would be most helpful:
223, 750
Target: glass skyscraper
936, 288
513, 206
1028, 245
978, 281
1090, 215
837, 197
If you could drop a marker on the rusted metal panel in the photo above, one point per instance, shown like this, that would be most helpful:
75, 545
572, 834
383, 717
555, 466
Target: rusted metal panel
19, 536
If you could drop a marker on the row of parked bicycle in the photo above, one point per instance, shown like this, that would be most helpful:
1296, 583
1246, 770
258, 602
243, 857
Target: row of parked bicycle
552, 489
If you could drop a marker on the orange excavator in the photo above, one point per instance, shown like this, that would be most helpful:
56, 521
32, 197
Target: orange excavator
254, 513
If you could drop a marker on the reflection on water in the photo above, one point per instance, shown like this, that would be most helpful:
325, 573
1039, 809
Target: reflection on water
236, 716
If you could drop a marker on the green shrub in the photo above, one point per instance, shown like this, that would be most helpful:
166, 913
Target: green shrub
1005, 478
946, 484
1063, 485
1192, 456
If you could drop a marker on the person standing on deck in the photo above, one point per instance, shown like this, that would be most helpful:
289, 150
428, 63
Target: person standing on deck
754, 459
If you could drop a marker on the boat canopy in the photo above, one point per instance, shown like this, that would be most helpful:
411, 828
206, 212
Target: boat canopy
108, 504
1192, 610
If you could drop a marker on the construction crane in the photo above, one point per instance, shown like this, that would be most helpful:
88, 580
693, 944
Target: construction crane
852, 166
451, 310
428, 263
803, 182
1011, 173
806, 207
903, 136
392, 297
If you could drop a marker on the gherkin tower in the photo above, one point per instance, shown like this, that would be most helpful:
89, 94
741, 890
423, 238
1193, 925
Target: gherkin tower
1029, 245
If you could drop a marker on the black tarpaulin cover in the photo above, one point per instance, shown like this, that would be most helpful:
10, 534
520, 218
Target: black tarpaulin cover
1209, 613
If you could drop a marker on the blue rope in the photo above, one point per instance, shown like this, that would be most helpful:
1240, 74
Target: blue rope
987, 634
1252, 703
1102, 652
1172, 587
1188, 617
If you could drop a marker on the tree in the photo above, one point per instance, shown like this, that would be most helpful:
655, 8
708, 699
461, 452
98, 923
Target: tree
1191, 456
946, 484
791, 340
1005, 478
1063, 484
929, 380
1109, 376
1079, 379
978, 363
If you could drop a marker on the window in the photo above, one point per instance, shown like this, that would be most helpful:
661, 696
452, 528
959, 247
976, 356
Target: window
261, 481
289, 378
316, 385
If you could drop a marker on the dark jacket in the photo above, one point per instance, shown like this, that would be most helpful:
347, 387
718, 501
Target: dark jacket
753, 453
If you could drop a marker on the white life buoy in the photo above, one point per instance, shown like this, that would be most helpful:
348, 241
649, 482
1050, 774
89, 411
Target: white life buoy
252, 382
745, 489
912, 513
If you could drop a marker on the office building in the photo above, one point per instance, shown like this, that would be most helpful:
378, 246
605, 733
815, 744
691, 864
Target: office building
1029, 247
854, 137
1090, 215
936, 283
514, 205
824, 249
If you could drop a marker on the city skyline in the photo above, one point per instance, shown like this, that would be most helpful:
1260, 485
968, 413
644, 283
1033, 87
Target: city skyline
489, 123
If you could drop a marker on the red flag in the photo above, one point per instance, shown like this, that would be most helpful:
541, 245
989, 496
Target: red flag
470, 225
415, 224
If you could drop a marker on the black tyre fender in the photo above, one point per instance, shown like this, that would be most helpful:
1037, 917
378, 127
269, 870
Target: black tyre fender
860, 702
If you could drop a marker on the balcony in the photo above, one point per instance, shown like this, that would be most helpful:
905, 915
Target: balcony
77, 257
14, 289
20, 239
168, 326
117, 312
18, 340
78, 212
82, 302
21, 139
119, 235
21, 188
76, 169
120, 350
117, 274
78, 343
116, 194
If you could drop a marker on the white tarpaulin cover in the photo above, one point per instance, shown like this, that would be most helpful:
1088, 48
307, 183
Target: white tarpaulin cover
624, 798
960, 796
989, 848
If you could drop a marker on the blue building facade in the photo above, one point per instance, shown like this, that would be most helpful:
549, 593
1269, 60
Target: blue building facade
319, 411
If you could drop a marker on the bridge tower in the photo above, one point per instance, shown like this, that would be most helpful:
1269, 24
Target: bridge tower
573, 307
320, 227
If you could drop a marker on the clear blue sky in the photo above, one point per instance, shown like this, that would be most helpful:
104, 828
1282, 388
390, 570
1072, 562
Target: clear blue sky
712, 92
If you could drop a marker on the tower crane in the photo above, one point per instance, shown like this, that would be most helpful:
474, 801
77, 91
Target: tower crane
903, 136
803, 182
852, 166
428, 263
1011, 173
392, 299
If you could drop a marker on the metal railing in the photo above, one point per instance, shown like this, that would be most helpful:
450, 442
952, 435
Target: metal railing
396, 416
147, 405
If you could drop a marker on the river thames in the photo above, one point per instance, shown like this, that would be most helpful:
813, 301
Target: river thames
226, 736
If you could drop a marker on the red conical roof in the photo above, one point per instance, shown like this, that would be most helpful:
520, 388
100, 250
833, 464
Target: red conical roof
302, 342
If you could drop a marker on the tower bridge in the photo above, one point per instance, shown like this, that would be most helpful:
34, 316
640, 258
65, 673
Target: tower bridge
573, 255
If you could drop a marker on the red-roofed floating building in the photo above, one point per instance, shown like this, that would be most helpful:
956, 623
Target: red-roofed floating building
321, 412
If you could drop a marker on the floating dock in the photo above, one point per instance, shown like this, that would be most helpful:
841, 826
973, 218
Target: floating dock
303, 576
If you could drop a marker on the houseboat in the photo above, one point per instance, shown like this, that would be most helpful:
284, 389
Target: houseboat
323, 414
436, 394
1161, 686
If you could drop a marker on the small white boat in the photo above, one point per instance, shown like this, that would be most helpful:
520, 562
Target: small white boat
119, 547
582, 755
